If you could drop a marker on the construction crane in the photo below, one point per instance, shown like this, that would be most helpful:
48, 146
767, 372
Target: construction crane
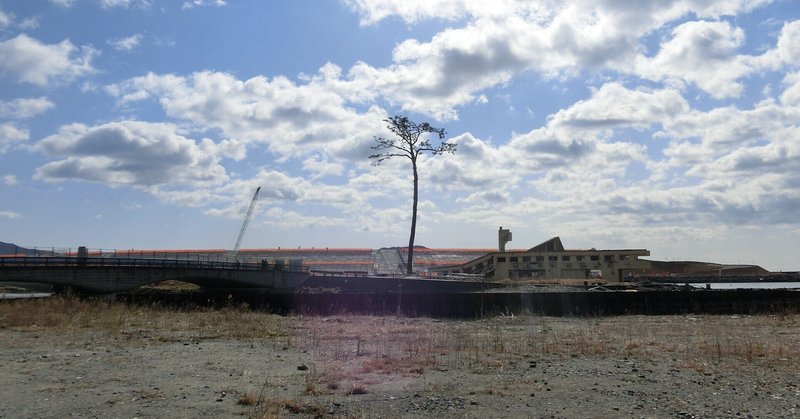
235, 251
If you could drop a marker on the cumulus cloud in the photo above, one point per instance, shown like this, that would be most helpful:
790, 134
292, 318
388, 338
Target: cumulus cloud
24, 108
635, 14
127, 43
11, 136
631, 152
292, 119
580, 135
321, 167
130, 153
34, 62
10, 180
498, 41
698, 137
702, 53
786, 51
725, 165
413, 11
456, 172
614, 105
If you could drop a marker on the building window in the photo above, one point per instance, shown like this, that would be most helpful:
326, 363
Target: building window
594, 257
579, 258
526, 258
552, 258
539, 258
566, 258
608, 258
513, 259
501, 259
624, 257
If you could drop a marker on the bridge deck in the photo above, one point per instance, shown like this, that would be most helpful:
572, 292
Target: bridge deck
104, 275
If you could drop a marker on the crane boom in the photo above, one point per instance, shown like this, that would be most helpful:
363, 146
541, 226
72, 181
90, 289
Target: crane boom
245, 223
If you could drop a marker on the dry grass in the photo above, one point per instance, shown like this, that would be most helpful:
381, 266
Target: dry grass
274, 409
359, 349
358, 389
69, 314
247, 399
355, 350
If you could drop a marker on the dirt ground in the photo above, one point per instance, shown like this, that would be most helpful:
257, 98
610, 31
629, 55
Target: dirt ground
67, 359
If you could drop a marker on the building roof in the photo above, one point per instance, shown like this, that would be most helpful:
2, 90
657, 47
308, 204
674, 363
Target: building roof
552, 245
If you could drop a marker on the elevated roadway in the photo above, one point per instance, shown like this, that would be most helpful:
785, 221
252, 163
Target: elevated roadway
112, 275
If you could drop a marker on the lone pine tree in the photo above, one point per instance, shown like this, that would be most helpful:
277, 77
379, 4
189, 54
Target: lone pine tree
410, 140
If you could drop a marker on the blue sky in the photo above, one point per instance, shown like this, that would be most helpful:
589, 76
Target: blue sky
666, 125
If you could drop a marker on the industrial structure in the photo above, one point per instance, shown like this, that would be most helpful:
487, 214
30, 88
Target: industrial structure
550, 260
245, 223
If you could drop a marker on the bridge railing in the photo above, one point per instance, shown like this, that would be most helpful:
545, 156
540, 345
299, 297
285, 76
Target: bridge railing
80, 262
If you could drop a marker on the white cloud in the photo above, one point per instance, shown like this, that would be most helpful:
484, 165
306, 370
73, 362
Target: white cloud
63, 3
720, 130
201, 3
10, 180
322, 167
702, 53
496, 43
614, 105
729, 166
637, 156
791, 95
125, 4
29, 23
11, 136
9, 214
631, 14
559, 38
130, 153
34, 62
6, 19
579, 137
456, 172
292, 119
788, 46
412, 11
286, 219
127, 43
24, 108
490, 197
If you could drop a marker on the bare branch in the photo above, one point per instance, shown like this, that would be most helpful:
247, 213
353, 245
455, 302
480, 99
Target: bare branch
379, 158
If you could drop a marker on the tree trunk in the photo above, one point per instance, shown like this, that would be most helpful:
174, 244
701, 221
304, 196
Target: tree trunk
410, 264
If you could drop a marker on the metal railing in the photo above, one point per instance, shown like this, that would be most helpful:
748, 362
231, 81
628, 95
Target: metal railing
93, 262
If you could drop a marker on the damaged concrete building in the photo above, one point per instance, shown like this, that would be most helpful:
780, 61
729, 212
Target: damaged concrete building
550, 260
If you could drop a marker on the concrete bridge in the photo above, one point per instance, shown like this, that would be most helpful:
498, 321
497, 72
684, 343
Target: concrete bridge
111, 275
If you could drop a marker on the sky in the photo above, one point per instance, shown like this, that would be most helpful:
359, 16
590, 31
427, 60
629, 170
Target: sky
670, 125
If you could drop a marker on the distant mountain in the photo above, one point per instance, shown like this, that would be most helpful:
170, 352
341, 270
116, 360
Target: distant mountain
10, 249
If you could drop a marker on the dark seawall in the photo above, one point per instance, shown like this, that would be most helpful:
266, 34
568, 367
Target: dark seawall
471, 305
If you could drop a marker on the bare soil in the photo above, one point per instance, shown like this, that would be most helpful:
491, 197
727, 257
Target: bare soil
66, 357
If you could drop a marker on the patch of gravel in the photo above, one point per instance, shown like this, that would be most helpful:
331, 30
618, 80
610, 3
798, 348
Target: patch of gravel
352, 366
